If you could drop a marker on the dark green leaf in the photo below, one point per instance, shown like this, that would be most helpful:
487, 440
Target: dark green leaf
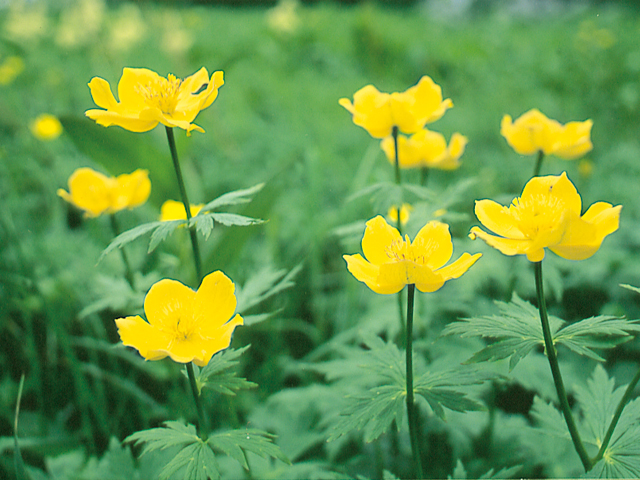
171, 435
215, 376
235, 442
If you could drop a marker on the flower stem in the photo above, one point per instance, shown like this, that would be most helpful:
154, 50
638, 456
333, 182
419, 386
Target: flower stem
394, 134
536, 169
185, 202
202, 425
412, 413
614, 421
424, 176
555, 371
128, 273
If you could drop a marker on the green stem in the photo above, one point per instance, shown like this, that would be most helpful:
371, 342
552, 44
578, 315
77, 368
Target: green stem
394, 134
536, 169
185, 202
424, 176
555, 371
128, 272
202, 425
412, 413
614, 421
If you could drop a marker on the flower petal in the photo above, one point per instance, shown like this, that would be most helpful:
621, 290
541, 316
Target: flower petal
498, 219
574, 140
378, 236
101, 93
459, 267
508, 246
127, 121
214, 303
89, 191
132, 84
433, 243
150, 342
167, 302
554, 188
364, 271
219, 342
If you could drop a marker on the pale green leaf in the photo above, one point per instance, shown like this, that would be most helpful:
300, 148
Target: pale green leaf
162, 232
129, 236
216, 377
235, 442
232, 198
265, 284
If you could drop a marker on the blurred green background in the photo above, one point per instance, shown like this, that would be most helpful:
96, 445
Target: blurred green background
277, 120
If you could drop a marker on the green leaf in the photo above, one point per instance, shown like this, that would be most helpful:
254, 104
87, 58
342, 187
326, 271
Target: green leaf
215, 377
162, 231
265, 284
171, 435
630, 287
517, 331
18, 462
235, 442
232, 198
205, 222
130, 236
198, 461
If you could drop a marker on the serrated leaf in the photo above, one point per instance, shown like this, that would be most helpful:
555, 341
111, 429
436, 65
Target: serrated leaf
215, 377
265, 284
171, 435
194, 459
373, 412
630, 287
129, 236
162, 231
235, 442
233, 198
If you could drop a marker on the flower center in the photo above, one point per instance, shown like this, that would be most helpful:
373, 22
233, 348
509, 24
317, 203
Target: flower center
402, 250
163, 93
538, 213
184, 329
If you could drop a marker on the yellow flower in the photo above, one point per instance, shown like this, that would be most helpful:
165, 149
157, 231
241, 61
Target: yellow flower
405, 213
410, 111
426, 149
547, 215
46, 127
172, 210
534, 132
182, 324
147, 99
393, 262
10, 68
96, 193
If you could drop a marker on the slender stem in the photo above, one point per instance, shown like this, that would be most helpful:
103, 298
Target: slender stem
128, 272
412, 414
185, 202
202, 424
555, 371
394, 134
424, 176
536, 169
614, 421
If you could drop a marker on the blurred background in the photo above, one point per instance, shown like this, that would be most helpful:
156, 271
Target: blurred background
277, 120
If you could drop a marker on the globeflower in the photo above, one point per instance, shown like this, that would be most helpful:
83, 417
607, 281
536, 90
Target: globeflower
96, 193
405, 213
534, 132
426, 149
172, 210
46, 127
409, 111
147, 99
182, 324
547, 215
393, 262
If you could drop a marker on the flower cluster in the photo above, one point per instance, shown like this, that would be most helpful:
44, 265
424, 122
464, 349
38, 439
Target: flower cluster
96, 193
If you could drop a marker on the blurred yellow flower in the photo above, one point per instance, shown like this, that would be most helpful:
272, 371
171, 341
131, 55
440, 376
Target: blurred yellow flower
96, 193
147, 99
46, 127
80, 24
426, 149
405, 213
184, 325
284, 16
126, 28
534, 132
172, 210
393, 262
10, 68
547, 215
410, 111
585, 168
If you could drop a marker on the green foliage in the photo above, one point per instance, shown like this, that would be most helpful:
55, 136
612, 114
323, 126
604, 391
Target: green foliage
517, 331
216, 377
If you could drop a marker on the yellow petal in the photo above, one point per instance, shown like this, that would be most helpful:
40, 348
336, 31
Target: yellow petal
150, 342
574, 140
132, 190
433, 243
214, 303
378, 236
126, 121
219, 342
88, 190
362, 270
498, 219
554, 188
167, 303
507, 246
459, 267
526, 135
101, 93
131, 85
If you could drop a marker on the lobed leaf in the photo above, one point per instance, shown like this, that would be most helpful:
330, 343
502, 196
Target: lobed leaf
232, 198
171, 435
215, 376
235, 442
130, 235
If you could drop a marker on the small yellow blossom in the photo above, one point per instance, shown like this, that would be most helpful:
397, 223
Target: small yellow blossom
10, 68
547, 215
96, 193
147, 99
409, 111
172, 210
46, 127
126, 28
284, 16
585, 168
393, 262
426, 149
405, 213
534, 132
184, 325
